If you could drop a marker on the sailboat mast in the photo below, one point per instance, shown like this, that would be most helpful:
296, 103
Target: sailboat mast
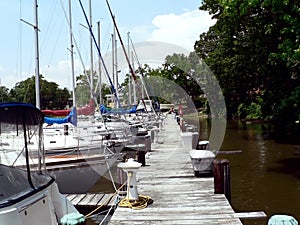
124, 50
72, 53
129, 78
113, 64
133, 83
99, 53
99, 64
116, 67
91, 51
37, 63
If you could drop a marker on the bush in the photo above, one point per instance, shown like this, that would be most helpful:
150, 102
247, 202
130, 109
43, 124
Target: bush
250, 112
286, 117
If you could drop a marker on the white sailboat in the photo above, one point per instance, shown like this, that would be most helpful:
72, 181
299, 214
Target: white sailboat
76, 162
28, 195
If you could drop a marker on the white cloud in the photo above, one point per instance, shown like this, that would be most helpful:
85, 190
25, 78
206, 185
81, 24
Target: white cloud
182, 30
8, 77
60, 73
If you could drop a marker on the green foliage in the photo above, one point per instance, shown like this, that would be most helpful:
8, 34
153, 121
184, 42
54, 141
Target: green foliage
287, 116
250, 112
4, 94
51, 96
253, 50
180, 68
83, 89
175, 73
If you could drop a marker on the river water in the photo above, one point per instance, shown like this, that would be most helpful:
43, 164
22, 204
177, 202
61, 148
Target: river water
265, 176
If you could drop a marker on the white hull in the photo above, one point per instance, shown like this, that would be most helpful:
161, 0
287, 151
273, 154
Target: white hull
80, 178
75, 173
45, 207
202, 161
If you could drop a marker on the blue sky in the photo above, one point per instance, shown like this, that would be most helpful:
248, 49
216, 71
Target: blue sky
174, 21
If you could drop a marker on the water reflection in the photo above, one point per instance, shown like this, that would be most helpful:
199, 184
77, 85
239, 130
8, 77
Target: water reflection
266, 175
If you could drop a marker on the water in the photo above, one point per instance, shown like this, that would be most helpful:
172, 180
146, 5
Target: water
265, 176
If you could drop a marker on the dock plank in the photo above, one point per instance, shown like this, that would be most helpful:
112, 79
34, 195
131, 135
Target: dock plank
97, 199
87, 200
106, 199
70, 197
78, 198
92, 199
178, 196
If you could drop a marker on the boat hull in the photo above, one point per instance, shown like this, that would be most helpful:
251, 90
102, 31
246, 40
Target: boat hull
79, 177
45, 207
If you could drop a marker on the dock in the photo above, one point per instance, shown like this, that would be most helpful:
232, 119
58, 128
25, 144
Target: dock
178, 196
92, 200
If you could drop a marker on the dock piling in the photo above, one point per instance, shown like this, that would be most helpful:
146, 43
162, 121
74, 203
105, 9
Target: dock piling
222, 178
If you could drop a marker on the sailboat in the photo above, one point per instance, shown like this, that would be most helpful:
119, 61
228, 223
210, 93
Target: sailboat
75, 167
28, 195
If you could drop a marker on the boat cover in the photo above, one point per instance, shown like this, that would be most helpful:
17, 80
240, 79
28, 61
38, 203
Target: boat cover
71, 118
106, 110
19, 113
85, 110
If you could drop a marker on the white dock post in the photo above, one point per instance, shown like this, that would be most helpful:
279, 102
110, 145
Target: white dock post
131, 167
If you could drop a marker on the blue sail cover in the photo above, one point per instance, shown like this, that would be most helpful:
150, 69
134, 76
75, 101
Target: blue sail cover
19, 113
71, 118
106, 110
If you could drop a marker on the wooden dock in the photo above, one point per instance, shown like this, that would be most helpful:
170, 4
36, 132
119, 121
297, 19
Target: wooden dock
92, 200
178, 196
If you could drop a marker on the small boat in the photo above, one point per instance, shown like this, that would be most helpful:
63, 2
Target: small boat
28, 195
202, 161
202, 158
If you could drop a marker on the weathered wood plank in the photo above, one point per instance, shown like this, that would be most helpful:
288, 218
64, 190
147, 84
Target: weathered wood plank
91, 199
78, 198
178, 196
86, 201
251, 215
97, 199
175, 217
70, 197
105, 200
178, 222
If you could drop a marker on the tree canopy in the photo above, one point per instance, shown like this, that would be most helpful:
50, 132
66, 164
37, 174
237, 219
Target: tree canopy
51, 96
253, 49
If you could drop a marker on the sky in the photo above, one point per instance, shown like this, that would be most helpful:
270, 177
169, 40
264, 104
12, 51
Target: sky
178, 22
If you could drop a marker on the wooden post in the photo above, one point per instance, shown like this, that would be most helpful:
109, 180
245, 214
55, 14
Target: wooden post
141, 157
222, 178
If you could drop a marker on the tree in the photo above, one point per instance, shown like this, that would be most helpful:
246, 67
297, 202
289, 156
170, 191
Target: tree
253, 50
287, 117
83, 90
179, 68
4, 97
51, 96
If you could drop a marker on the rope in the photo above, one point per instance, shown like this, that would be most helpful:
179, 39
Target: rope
111, 176
105, 217
141, 203
107, 200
